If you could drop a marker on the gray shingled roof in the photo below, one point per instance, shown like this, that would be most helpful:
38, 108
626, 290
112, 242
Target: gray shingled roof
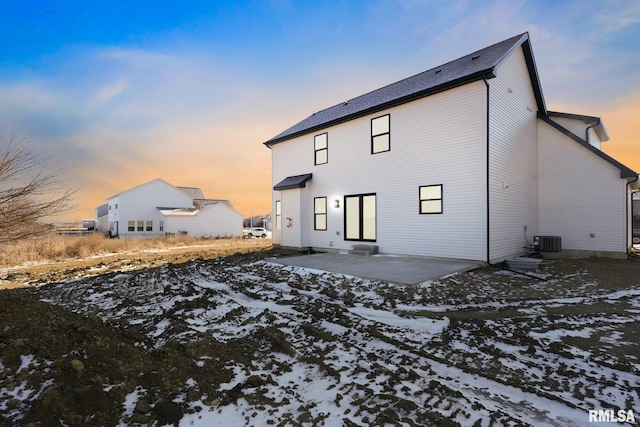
475, 66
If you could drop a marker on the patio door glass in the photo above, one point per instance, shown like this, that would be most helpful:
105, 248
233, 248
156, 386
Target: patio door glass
360, 217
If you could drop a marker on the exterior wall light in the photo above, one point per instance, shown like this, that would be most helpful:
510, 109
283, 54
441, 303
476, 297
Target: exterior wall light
336, 203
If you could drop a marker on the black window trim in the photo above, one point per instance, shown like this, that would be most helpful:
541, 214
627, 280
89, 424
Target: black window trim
361, 225
316, 214
441, 199
379, 134
317, 150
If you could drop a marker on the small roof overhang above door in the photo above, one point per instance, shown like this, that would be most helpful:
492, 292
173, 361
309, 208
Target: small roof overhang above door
297, 181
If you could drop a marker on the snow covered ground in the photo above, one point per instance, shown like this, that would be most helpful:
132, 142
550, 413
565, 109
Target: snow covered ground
473, 349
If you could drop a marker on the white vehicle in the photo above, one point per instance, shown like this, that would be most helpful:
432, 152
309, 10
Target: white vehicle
256, 232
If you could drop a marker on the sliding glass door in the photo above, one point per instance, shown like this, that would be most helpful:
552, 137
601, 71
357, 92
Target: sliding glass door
360, 217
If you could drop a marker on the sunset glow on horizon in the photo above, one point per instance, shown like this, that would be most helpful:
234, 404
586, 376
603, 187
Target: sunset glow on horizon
121, 94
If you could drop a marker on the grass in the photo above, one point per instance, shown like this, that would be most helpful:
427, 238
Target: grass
53, 247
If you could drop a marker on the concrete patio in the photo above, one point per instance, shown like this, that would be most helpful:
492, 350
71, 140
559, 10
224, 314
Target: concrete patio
405, 270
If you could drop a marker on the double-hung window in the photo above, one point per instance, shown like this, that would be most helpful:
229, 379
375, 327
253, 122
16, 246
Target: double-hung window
320, 213
321, 149
430, 199
380, 134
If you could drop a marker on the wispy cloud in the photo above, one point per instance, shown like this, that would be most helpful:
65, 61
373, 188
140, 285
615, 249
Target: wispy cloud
192, 105
107, 93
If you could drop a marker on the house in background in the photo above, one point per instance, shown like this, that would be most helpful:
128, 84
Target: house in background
102, 218
259, 221
461, 161
158, 208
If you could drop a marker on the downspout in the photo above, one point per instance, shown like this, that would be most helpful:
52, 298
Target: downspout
489, 207
487, 178
586, 132
629, 197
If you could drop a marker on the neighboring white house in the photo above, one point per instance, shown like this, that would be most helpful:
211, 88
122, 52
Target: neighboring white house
159, 208
461, 161
102, 218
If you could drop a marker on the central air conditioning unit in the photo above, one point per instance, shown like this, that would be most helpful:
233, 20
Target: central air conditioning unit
547, 243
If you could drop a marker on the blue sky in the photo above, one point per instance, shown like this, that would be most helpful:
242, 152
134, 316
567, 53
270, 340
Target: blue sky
123, 92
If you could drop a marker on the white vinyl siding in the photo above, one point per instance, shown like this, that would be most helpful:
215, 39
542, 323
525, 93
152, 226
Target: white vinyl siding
438, 139
579, 128
292, 221
580, 194
216, 220
513, 158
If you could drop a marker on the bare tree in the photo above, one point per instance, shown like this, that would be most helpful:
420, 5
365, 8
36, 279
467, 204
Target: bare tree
28, 192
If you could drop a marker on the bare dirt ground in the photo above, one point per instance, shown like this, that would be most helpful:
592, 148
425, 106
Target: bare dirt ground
223, 336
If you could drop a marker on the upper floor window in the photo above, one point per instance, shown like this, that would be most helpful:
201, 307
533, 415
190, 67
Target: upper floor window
320, 213
380, 134
430, 199
321, 150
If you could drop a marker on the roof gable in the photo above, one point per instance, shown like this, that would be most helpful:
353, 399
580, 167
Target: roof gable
193, 192
592, 121
482, 64
625, 172
159, 180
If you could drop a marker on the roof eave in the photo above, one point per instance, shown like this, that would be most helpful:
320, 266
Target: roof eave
485, 74
533, 75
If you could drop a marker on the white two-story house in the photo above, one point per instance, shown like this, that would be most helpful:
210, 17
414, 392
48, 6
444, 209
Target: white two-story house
157, 208
461, 161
